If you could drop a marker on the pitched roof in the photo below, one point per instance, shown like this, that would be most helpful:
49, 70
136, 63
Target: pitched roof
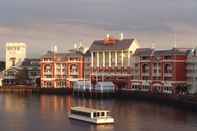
165, 52
117, 45
173, 51
70, 54
31, 62
87, 53
144, 51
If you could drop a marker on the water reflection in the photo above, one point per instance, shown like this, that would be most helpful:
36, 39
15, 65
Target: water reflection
13, 103
50, 112
52, 103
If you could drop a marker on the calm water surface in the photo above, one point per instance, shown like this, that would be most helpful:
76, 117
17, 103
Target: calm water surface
50, 113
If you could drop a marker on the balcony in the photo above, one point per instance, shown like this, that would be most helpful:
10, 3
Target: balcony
74, 73
47, 61
9, 77
168, 75
145, 74
156, 74
48, 73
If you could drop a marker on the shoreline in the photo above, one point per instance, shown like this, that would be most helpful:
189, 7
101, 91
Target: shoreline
183, 101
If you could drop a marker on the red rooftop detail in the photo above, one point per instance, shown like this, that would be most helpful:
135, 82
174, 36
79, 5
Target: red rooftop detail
110, 40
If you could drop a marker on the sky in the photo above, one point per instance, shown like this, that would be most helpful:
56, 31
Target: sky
45, 23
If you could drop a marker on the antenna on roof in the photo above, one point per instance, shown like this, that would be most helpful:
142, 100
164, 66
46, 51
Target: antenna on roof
108, 36
175, 40
51, 48
153, 45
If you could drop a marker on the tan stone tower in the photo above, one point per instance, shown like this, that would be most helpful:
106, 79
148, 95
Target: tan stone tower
15, 54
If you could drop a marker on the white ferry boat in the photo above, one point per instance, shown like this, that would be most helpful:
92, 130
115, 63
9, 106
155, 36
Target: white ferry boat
91, 115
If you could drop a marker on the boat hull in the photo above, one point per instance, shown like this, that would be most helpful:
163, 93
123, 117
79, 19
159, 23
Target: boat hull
108, 120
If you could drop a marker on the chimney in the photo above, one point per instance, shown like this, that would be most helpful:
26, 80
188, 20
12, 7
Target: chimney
153, 46
75, 45
121, 36
108, 36
55, 49
80, 44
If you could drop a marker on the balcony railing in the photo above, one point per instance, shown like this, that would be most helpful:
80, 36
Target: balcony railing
145, 74
74, 73
168, 74
48, 73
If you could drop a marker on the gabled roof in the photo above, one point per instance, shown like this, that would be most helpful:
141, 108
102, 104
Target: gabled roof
165, 52
173, 51
117, 45
87, 53
31, 62
69, 54
143, 52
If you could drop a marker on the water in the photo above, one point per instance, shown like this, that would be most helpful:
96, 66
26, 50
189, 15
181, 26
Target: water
50, 113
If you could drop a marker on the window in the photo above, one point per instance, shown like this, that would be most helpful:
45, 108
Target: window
94, 114
167, 68
81, 113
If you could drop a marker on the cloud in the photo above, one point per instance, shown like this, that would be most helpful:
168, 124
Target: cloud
63, 22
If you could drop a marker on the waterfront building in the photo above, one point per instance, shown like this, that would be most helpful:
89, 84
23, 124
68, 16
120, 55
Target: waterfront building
1, 79
2, 65
15, 54
160, 71
27, 73
110, 59
192, 71
87, 65
32, 68
61, 70
14, 76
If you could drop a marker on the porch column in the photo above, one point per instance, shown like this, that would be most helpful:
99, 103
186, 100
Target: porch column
97, 59
92, 59
103, 59
110, 59
129, 58
122, 60
116, 58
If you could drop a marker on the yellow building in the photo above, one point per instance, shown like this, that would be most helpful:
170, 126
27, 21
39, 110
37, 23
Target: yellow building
15, 54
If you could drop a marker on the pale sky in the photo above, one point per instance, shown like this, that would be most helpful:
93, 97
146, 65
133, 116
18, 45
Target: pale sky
43, 23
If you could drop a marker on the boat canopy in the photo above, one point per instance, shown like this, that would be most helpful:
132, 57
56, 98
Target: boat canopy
87, 110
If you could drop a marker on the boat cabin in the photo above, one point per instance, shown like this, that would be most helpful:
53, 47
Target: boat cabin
88, 112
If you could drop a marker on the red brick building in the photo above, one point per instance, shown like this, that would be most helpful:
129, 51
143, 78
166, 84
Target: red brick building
162, 71
60, 70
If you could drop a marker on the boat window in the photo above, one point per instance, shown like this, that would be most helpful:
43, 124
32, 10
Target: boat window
81, 113
102, 113
94, 114
98, 114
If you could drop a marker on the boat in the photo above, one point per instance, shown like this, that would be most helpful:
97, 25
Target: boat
90, 115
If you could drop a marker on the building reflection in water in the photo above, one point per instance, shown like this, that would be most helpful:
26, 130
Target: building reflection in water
54, 103
59, 103
50, 112
14, 103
